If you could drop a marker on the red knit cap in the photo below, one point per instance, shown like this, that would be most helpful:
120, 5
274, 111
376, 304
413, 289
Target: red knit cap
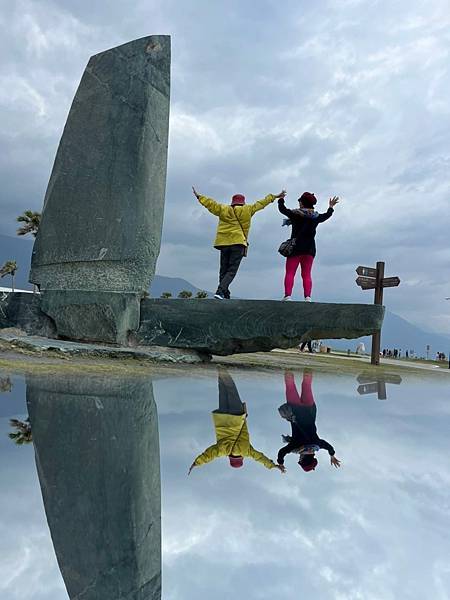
238, 199
236, 461
308, 199
310, 466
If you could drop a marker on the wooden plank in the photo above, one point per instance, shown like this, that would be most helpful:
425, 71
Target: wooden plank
367, 388
366, 283
366, 271
390, 282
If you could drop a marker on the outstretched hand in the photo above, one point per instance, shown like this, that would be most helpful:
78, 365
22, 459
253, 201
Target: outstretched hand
335, 462
191, 467
281, 195
281, 468
196, 194
333, 201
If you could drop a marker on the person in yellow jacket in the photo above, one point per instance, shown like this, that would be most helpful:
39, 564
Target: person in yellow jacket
230, 422
232, 233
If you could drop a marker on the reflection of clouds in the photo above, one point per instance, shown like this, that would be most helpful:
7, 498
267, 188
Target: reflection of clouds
375, 530
369, 531
28, 564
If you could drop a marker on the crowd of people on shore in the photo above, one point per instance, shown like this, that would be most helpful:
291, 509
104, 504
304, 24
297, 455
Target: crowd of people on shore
234, 226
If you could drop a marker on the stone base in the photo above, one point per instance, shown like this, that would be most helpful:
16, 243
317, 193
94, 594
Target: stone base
16, 339
231, 326
92, 316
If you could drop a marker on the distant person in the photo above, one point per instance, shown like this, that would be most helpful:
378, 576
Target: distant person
230, 422
301, 411
308, 344
407, 354
304, 221
384, 352
232, 233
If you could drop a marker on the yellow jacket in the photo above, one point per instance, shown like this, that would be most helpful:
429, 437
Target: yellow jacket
232, 437
228, 230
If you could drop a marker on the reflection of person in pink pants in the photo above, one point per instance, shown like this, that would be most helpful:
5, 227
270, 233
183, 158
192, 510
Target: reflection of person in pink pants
300, 410
304, 221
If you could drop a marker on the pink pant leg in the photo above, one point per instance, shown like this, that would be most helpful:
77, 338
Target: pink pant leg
307, 398
306, 262
292, 263
292, 395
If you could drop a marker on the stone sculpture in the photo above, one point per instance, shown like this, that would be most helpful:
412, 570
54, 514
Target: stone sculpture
97, 455
97, 245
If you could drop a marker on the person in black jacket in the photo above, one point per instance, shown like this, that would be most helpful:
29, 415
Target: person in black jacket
304, 221
301, 411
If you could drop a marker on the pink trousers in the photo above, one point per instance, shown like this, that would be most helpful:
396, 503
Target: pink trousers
292, 262
292, 396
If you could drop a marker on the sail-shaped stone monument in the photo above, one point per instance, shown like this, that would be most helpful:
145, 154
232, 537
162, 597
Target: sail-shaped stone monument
97, 245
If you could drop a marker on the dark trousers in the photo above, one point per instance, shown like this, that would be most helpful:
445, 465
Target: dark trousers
229, 399
230, 259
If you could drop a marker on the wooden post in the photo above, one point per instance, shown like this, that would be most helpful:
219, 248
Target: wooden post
376, 337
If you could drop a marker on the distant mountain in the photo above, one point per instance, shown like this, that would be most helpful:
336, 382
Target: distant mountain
397, 332
19, 249
401, 334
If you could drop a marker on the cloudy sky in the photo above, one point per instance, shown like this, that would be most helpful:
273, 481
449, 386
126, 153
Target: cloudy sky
346, 97
374, 530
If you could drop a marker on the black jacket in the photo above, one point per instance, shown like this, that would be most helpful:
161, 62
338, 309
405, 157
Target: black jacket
304, 432
303, 229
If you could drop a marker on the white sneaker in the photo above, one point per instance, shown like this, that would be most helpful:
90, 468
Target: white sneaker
308, 299
287, 298
218, 297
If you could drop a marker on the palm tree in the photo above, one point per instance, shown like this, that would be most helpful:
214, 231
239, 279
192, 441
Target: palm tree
166, 295
201, 294
185, 294
9, 268
23, 434
31, 221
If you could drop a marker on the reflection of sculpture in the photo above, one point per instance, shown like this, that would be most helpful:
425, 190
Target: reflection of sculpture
300, 410
230, 422
97, 455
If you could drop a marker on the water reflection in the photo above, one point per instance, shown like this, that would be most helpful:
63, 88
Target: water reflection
232, 435
97, 456
301, 411
374, 383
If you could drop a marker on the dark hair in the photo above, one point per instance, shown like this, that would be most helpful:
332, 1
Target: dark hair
308, 200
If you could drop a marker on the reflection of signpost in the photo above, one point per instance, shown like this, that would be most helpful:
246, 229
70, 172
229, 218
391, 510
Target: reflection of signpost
369, 386
374, 279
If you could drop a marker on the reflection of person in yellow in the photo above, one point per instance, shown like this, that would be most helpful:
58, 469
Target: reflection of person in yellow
230, 422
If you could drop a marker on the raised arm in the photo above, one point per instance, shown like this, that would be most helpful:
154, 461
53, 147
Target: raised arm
261, 458
283, 451
260, 204
326, 446
210, 204
207, 456
326, 215
286, 211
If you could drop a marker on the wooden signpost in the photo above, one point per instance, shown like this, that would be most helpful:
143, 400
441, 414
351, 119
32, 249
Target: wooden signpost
374, 279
